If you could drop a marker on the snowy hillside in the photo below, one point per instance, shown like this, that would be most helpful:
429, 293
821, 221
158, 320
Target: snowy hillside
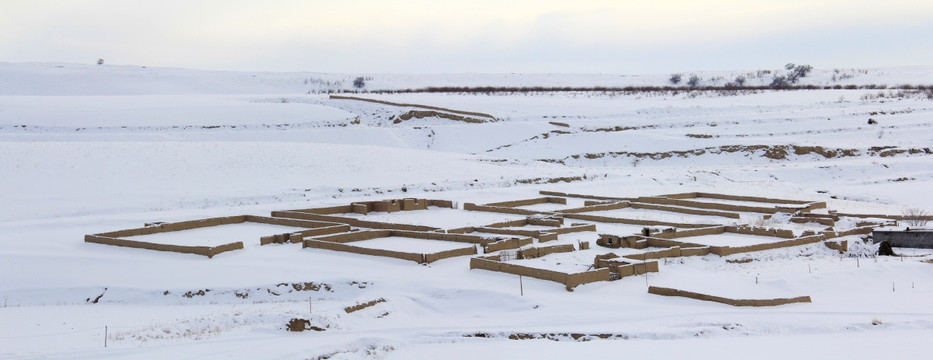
89, 149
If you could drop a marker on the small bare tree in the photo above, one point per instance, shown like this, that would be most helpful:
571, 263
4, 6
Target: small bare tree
915, 217
100, 61
359, 82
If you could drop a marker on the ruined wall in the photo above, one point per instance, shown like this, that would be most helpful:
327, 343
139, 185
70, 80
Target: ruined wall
497, 209
197, 250
341, 97
611, 220
327, 245
760, 231
583, 196
355, 236
682, 210
734, 302
527, 202
429, 258
600, 207
513, 243
710, 205
570, 281
351, 221
535, 252
729, 250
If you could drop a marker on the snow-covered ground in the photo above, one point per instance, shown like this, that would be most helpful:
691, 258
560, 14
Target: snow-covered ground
90, 149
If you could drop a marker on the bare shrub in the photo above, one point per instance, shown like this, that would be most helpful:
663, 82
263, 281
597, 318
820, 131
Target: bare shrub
675, 79
915, 217
693, 81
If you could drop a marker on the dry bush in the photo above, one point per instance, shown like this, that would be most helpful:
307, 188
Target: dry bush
915, 217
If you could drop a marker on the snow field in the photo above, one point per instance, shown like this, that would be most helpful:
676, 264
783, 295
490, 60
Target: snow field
113, 147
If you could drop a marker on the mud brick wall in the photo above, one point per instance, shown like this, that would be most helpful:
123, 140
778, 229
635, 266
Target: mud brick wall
682, 210
709, 205
570, 281
513, 243
197, 250
511, 223
601, 207
429, 258
535, 252
582, 196
753, 230
734, 302
728, 250
546, 221
355, 236
350, 221
464, 238
574, 228
839, 245
611, 220
527, 202
327, 245
471, 113
497, 209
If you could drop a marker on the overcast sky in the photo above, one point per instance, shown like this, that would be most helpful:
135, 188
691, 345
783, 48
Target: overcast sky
421, 36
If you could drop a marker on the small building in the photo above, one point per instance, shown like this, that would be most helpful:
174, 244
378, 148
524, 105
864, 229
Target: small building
921, 238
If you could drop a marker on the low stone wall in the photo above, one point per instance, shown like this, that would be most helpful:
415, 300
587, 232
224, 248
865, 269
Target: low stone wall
734, 302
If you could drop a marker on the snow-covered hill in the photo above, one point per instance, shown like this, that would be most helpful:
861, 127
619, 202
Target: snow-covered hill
88, 149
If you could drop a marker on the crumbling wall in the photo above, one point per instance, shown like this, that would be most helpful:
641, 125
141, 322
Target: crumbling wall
327, 245
683, 210
729, 250
583, 196
760, 231
570, 281
197, 250
351, 221
734, 302
471, 113
114, 237
528, 202
429, 258
499, 209
600, 207
535, 252
612, 220
513, 243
